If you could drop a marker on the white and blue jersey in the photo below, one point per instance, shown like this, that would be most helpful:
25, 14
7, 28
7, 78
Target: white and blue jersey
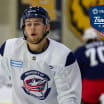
49, 77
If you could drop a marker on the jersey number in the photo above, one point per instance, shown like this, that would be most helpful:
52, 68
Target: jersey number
93, 52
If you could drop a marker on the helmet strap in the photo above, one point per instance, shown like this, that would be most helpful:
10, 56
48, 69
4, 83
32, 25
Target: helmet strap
45, 34
25, 36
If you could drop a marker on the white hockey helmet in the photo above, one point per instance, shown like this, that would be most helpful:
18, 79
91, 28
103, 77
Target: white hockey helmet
90, 33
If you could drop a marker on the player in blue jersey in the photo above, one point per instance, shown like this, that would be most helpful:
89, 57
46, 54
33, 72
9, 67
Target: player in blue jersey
90, 57
42, 70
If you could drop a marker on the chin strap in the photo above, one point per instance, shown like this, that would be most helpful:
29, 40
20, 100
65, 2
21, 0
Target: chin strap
42, 37
25, 37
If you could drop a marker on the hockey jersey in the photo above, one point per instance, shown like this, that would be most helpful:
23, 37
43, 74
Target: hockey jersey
5, 95
49, 77
91, 62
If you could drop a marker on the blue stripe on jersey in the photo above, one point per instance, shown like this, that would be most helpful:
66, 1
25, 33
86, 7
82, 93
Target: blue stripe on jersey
16, 63
70, 59
2, 49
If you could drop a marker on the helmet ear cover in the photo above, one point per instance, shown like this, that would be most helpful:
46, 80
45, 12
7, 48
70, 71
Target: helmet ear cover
35, 12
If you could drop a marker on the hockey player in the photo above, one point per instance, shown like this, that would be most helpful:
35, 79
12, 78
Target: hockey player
42, 70
90, 57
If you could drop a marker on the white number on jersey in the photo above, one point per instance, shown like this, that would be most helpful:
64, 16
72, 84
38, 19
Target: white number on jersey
93, 52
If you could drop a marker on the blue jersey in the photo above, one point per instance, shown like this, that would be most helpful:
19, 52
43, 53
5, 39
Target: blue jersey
91, 60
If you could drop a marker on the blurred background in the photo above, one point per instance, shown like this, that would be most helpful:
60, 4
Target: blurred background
69, 18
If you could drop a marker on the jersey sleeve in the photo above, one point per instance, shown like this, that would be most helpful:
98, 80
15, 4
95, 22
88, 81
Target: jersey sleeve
2, 48
79, 57
68, 82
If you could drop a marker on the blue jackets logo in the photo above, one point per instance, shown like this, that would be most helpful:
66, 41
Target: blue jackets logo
35, 84
97, 18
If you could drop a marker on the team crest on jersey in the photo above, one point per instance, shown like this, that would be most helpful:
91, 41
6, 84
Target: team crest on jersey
78, 15
36, 84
